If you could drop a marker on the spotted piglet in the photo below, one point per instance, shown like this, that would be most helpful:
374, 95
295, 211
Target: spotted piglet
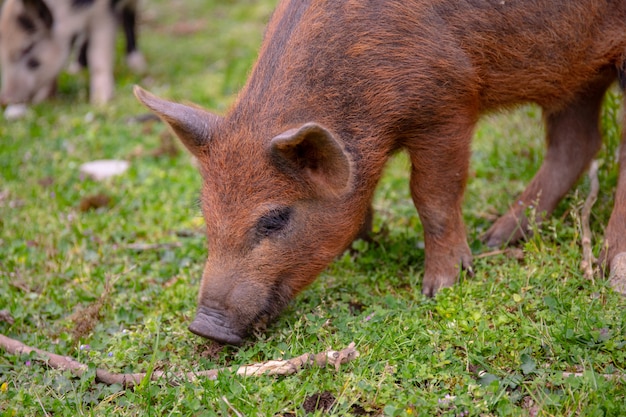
37, 38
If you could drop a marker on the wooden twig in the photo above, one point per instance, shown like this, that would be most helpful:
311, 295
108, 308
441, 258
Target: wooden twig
588, 259
276, 367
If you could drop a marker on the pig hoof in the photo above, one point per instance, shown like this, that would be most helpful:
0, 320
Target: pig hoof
494, 238
15, 111
213, 326
431, 287
617, 277
136, 62
504, 231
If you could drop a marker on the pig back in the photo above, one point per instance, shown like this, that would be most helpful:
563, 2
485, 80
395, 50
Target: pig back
413, 64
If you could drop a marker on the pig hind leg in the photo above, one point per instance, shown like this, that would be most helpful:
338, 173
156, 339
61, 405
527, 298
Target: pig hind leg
134, 58
438, 176
573, 139
613, 254
100, 60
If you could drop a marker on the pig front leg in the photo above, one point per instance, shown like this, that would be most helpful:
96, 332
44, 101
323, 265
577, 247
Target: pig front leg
100, 56
573, 139
438, 177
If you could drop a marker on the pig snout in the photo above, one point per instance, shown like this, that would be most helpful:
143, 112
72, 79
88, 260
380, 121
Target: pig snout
9, 96
231, 305
5, 99
215, 325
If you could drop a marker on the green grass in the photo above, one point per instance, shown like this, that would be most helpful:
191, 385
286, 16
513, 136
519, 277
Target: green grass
495, 344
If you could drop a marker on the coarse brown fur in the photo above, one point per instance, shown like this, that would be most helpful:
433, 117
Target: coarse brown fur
339, 86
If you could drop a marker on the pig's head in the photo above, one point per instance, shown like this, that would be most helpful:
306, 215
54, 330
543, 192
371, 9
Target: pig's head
31, 56
276, 208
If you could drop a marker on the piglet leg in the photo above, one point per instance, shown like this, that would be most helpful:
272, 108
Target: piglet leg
101, 60
573, 139
614, 253
438, 176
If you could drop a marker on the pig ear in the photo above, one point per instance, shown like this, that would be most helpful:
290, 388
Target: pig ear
193, 125
39, 9
313, 152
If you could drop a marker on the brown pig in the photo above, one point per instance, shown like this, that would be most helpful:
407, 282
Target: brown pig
38, 36
339, 86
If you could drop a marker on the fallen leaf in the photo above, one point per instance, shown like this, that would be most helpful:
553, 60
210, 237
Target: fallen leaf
95, 201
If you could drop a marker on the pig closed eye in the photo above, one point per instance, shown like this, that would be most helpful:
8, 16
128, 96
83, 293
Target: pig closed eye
273, 222
33, 63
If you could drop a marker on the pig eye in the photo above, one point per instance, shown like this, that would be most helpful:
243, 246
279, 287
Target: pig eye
33, 63
273, 221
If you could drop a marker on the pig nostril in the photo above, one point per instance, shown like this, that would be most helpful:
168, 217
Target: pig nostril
214, 325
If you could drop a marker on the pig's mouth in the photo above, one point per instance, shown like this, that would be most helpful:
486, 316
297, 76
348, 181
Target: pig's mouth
214, 325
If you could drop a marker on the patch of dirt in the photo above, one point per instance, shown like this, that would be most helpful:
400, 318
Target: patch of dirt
86, 318
356, 307
210, 350
93, 202
322, 401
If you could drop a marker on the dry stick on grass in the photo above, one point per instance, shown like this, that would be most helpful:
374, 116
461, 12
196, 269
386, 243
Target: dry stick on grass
277, 367
588, 259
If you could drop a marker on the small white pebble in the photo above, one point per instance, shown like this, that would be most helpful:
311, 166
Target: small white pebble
104, 168
15, 111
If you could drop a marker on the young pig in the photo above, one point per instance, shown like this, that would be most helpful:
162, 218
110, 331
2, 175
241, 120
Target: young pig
339, 86
38, 36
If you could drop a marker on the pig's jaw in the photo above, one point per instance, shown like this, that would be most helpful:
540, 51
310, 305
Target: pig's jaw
214, 325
